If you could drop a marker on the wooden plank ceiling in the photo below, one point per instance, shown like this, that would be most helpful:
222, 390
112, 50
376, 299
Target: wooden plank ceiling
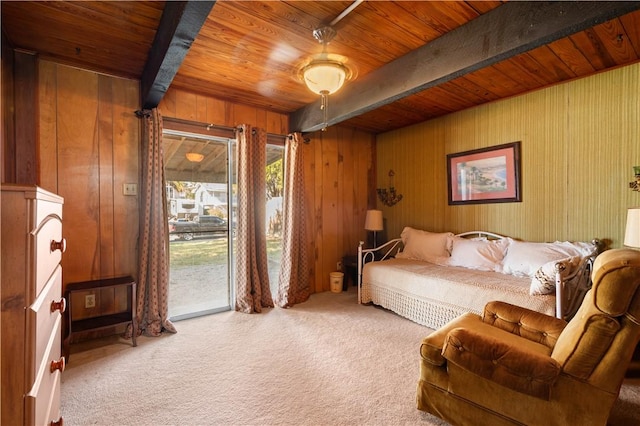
251, 51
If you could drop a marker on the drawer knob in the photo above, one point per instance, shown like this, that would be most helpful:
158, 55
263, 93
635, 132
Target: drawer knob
59, 245
59, 306
58, 365
59, 422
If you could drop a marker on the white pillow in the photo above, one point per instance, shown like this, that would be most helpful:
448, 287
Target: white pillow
424, 245
483, 255
525, 258
544, 280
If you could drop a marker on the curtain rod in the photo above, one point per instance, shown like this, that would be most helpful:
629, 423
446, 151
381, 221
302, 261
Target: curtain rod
209, 127
215, 126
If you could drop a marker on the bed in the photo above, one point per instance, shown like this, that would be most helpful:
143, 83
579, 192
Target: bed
432, 278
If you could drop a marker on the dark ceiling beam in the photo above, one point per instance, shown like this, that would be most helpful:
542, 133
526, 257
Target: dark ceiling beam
506, 31
179, 25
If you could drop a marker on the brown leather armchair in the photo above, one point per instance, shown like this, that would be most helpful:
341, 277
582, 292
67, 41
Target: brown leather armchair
516, 366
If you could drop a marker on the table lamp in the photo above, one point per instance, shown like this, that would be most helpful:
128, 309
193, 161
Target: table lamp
373, 222
632, 232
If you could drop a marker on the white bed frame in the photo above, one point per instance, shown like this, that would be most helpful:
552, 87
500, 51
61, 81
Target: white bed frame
570, 289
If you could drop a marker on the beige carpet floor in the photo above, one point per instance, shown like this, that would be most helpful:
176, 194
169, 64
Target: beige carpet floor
328, 361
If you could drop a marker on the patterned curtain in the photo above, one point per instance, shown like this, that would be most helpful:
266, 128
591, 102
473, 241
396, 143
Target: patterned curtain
252, 277
153, 283
293, 281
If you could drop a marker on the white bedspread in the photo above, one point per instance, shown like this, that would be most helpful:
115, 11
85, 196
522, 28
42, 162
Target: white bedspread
432, 295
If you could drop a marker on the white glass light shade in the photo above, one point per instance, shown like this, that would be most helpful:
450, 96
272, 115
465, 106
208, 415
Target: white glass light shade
373, 221
194, 157
324, 77
632, 232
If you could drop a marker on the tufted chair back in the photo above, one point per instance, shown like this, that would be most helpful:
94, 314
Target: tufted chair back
598, 342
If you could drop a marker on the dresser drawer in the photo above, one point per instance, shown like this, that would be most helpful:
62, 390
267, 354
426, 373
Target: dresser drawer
45, 407
43, 401
41, 321
44, 258
44, 208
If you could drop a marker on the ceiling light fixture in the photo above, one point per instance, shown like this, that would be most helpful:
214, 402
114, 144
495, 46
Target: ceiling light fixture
194, 157
325, 75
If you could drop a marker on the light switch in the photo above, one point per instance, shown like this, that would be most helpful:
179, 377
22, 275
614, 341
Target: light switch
130, 189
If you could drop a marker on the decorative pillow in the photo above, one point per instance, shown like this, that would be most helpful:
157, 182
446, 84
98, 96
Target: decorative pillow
544, 280
424, 245
480, 254
525, 258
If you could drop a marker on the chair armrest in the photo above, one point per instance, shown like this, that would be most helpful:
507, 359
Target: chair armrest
532, 325
523, 371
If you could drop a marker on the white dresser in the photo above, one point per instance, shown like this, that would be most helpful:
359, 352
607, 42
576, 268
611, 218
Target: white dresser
31, 305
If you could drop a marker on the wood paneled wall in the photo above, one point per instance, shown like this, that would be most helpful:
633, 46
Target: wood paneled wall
579, 143
339, 174
7, 119
19, 102
202, 109
89, 147
25, 98
340, 187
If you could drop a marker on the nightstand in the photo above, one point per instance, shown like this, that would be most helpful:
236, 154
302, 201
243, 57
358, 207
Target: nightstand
350, 266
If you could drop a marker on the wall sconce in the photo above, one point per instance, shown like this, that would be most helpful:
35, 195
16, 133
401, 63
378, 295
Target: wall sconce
635, 185
389, 197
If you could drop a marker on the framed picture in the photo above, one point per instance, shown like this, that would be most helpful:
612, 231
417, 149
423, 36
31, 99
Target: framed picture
486, 175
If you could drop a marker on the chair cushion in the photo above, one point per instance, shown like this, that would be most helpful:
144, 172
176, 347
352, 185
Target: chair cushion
509, 365
431, 348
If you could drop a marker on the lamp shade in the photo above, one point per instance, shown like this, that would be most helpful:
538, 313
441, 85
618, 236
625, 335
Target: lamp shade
632, 232
373, 221
194, 157
324, 77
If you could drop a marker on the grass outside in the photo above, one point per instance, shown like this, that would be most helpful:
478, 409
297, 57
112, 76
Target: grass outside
212, 251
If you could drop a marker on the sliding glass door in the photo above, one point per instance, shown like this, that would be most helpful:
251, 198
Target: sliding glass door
201, 205
201, 216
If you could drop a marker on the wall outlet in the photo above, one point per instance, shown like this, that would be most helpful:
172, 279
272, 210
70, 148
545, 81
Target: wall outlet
90, 301
339, 266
